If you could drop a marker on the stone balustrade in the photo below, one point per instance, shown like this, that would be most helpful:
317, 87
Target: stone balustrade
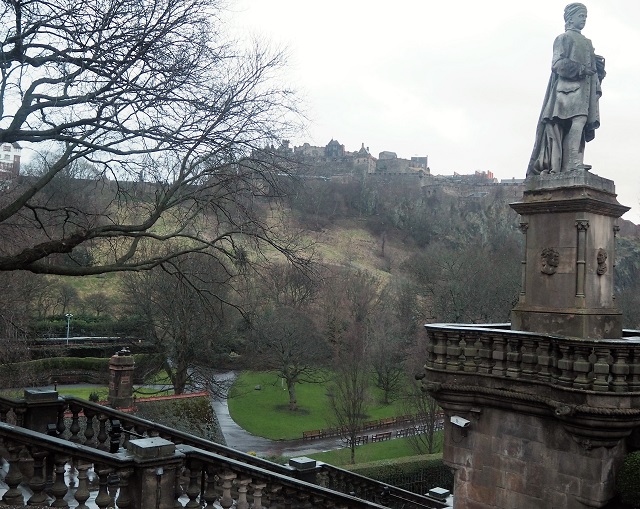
53, 463
603, 365
94, 440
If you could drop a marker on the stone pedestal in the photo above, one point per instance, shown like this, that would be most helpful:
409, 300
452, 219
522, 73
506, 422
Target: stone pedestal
121, 368
152, 483
569, 222
512, 460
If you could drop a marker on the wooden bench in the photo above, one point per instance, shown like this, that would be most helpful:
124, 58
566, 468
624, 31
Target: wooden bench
379, 437
311, 435
364, 439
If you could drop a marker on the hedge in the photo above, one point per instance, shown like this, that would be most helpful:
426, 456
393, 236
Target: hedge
628, 481
69, 370
417, 474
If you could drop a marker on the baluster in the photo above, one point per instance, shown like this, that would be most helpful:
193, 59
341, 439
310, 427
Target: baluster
210, 495
545, 359
582, 367
102, 432
565, 365
499, 355
177, 489
59, 488
620, 368
226, 481
89, 432
193, 490
273, 495
82, 494
431, 356
470, 352
529, 358
127, 427
634, 369
514, 357
113, 483
60, 425
486, 353
243, 484
455, 356
257, 494
103, 499
37, 482
439, 349
20, 413
323, 478
75, 425
288, 498
601, 369
13, 495
124, 497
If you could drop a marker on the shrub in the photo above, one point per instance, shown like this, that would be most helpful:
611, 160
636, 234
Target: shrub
628, 482
417, 474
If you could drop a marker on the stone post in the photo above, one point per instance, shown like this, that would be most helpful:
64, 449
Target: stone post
42, 406
121, 379
306, 469
153, 481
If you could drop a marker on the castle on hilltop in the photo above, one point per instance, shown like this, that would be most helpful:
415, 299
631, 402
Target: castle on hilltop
335, 162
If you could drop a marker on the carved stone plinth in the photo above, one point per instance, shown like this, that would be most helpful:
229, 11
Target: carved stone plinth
569, 222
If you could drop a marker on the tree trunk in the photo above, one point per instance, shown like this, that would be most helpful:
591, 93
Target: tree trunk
293, 400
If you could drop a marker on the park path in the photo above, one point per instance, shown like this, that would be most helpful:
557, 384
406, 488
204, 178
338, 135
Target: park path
240, 439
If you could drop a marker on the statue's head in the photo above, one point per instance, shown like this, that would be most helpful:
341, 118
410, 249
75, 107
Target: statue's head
575, 16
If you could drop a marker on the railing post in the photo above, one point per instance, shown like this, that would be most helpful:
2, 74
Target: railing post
152, 483
306, 469
42, 407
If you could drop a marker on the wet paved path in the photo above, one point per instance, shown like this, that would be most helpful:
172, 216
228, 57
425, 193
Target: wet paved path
244, 441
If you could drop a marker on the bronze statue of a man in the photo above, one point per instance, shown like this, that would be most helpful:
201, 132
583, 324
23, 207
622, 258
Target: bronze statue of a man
570, 113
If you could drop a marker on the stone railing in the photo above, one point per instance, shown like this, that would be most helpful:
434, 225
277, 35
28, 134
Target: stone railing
38, 467
81, 432
604, 365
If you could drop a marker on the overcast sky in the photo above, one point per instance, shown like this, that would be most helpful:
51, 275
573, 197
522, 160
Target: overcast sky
460, 81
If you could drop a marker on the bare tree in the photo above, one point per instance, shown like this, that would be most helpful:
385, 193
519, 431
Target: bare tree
349, 393
155, 121
418, 402
183, 305
287, 343
473, 284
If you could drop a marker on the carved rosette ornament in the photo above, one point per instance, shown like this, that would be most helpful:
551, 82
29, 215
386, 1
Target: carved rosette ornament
550, 259
602, 262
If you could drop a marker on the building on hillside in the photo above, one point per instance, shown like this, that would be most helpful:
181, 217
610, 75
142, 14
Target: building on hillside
306, 150
478, 177
364, 161
420, 163
334, 150
10, 160
389, 162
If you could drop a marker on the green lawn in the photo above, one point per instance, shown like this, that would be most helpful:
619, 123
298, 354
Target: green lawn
266, 412
391, 449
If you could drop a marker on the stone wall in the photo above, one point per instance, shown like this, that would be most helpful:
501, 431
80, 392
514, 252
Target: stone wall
511, 460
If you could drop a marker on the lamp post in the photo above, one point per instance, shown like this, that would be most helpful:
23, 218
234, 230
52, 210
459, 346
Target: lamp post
69, 317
